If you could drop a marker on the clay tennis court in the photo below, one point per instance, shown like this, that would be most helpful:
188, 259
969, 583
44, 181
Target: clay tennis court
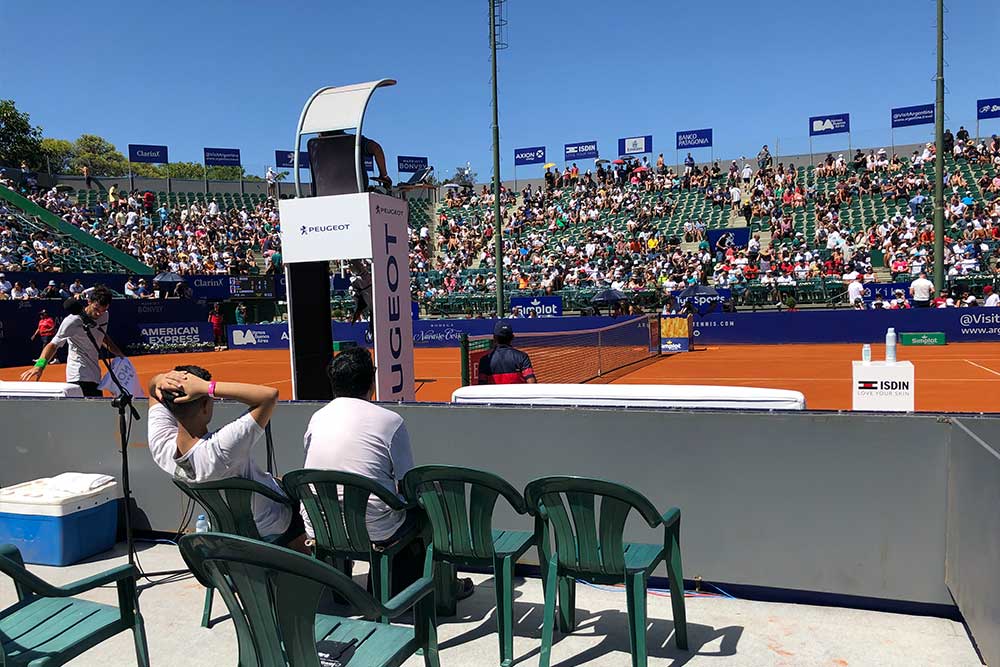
959, 377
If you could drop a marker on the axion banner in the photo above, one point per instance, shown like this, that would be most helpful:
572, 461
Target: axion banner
531, 155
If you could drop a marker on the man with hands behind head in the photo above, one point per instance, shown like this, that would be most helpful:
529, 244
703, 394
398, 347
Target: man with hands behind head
181, 405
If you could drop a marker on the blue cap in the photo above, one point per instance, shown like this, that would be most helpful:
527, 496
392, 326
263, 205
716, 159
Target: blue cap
502, 329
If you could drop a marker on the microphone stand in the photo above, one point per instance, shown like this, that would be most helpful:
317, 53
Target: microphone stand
123, 403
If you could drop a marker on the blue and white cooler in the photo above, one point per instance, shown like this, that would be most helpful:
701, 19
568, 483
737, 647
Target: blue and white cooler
60, 520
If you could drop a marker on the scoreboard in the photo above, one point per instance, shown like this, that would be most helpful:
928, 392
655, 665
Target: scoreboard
251, 287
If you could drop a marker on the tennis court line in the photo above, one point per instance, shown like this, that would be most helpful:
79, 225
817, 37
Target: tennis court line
988, 370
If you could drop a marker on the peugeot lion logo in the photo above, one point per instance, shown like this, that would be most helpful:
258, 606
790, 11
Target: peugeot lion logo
304, 230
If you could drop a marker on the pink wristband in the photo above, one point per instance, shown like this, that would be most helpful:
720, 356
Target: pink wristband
211, 388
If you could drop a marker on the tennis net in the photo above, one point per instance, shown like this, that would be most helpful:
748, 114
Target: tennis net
573, 357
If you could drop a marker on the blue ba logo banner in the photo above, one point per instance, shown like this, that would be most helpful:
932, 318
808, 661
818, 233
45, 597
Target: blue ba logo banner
146, 153
738, 237
694, 138
408, 164
541, 306
635, 145
176, 333
988, 108
222, 157
285, 160
580, 151
533, 155
837, 123
259, 336
921, 114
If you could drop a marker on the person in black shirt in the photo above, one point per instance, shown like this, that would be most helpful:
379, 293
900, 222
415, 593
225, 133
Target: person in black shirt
504, 364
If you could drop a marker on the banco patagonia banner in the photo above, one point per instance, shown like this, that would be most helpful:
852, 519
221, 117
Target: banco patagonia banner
582, 150
921, 114
540, 306
286, 160
694, 139
988, 108
408, 164
176, 333
222, 157
532, 155
635, 145
147, 153
837, 123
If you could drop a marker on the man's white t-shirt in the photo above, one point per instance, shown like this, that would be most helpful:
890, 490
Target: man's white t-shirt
993, 300
356, 436
83, 362
221, 454
854, 291
921, 289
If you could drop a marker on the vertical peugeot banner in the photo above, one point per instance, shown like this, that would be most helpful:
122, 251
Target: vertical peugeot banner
391, 293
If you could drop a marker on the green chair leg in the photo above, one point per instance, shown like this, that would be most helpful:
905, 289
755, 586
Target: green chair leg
206, 614
675, 576
425, 625
567, 604
382, 585
635, 587
139, 635
549, 614
444, 589
503, 575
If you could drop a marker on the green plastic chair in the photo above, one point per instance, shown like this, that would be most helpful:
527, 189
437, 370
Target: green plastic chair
592, 549
339, 525
229, 503
463, 532
273, 595
49, 626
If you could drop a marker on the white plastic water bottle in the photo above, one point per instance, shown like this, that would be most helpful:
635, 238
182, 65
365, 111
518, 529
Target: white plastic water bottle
866, 354
202, 525
890, 346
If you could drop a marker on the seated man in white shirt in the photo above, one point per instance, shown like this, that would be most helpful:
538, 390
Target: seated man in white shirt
351, 434
180, 409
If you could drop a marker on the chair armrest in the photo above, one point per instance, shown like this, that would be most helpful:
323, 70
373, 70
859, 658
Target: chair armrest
111, 576
409, 596
671, 516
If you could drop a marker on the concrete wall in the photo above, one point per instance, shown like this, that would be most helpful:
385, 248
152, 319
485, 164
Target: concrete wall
844, 504
972, 569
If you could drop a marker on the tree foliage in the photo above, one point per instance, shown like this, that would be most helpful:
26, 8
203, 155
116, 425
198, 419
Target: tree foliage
20, 141
58, 153
464, 176
99, 154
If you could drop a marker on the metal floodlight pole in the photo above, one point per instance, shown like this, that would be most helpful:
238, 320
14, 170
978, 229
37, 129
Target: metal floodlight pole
497, 220
939, 156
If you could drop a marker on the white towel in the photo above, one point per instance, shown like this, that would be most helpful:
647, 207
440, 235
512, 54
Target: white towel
126, 374
78, 483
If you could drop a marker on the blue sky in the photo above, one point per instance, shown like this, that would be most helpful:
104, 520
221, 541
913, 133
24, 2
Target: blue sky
235, 74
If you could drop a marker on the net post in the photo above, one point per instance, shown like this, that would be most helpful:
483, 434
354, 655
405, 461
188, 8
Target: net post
464, 343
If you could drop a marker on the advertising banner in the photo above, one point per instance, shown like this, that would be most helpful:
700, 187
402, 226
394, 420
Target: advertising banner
837, 123
286, 159
675, 333
635, 145
582, 150
738, 237
533, 155
705, 303
847, 326
323, 228
391, 314
222, 157
176, 333
694, 139
921, 114
258, 336
147, 153
540, 306
369, 163
988, 108
409, 164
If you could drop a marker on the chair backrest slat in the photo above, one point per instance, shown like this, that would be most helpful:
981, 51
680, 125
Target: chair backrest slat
437, 514
562, 529
230, 510
614, 514
482, 501
453, 493
581, 506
